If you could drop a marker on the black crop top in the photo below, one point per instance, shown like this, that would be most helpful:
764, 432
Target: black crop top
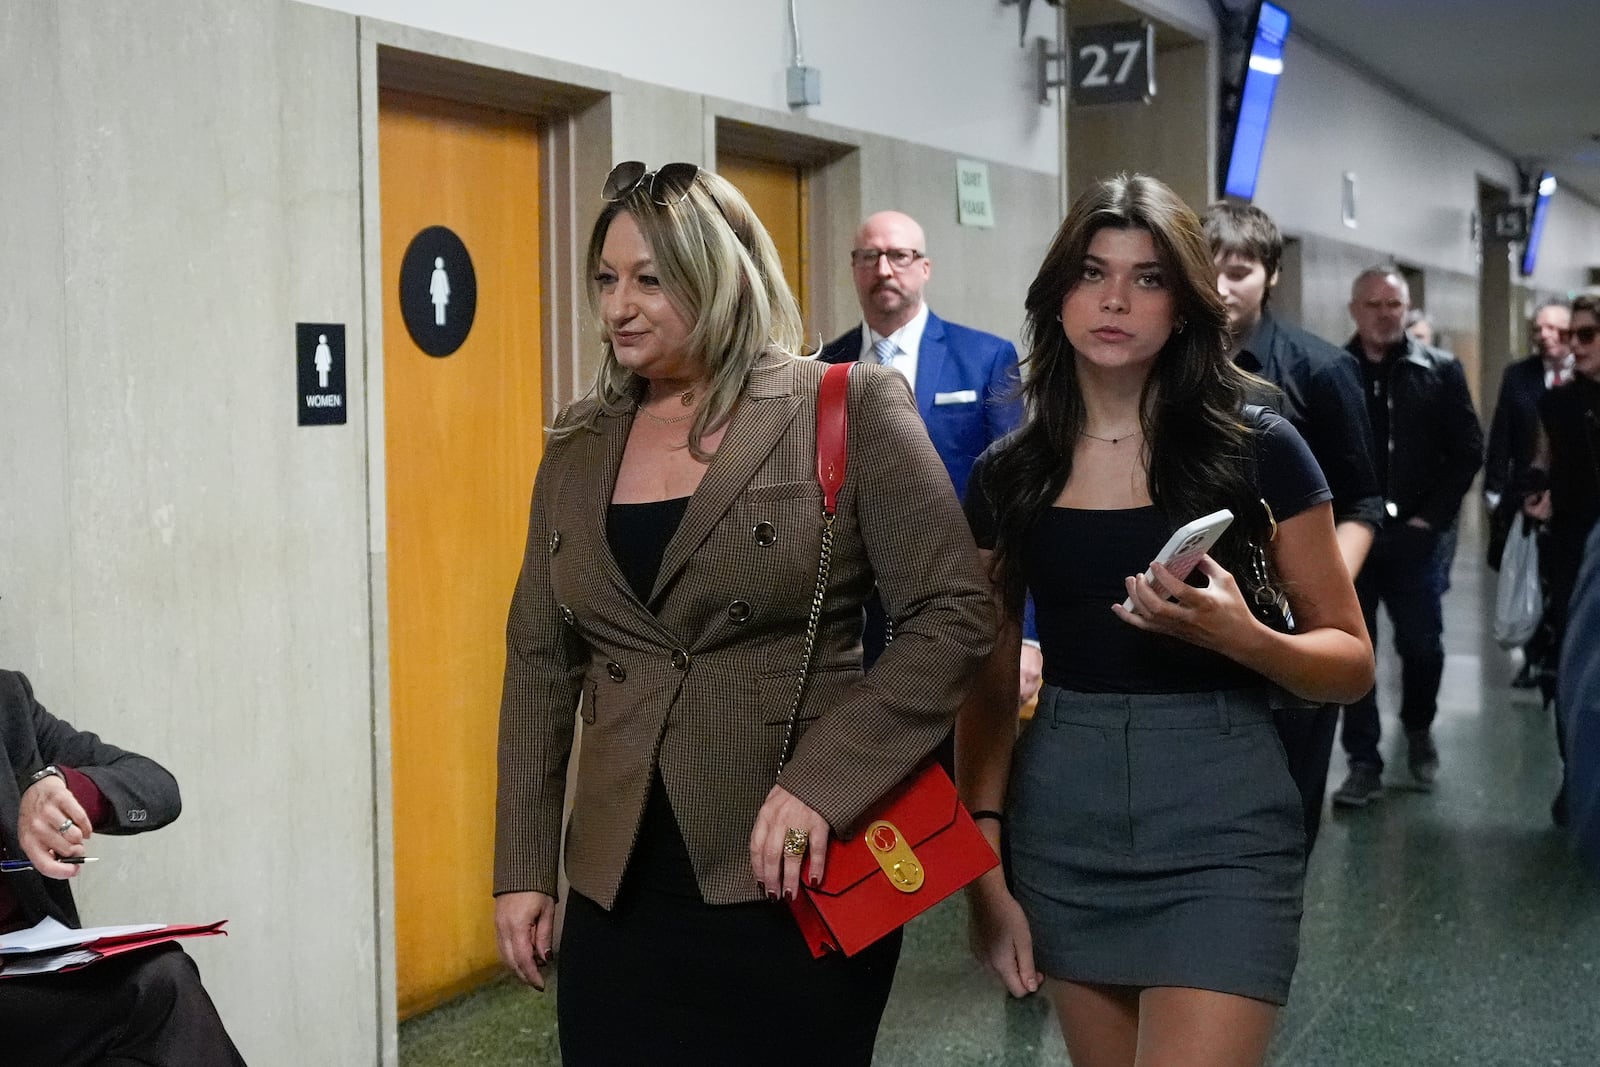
1075, 562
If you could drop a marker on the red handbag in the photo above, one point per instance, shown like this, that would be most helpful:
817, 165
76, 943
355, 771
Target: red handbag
918, 845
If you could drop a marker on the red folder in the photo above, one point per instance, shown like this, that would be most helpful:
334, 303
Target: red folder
70, 958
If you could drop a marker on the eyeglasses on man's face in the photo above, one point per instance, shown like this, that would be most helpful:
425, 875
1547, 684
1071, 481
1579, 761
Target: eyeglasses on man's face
1584, 335
667, 186
899, 258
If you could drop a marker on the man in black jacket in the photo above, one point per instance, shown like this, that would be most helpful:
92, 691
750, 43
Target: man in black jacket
146, 1006
1429, 447
1514, 431
1319, 392
1513, 435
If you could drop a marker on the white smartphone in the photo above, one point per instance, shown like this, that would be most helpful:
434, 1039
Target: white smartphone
1184, 548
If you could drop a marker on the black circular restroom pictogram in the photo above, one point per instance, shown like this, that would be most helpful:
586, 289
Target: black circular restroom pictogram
438, 291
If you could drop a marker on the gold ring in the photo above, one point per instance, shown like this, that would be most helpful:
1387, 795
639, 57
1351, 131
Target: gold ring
795, 842
64, 827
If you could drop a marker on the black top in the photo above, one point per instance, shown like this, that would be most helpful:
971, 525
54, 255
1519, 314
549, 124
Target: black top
1320, 395
638, 536
1571, 417
1075, 563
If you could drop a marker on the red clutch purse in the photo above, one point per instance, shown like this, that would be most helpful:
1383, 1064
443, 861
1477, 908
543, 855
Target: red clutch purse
918, 845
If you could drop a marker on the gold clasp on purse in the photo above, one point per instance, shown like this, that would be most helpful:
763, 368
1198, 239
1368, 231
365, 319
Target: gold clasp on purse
888, 846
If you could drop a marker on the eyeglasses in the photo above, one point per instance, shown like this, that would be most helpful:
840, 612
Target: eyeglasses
899, 258
667, 186
1584, 335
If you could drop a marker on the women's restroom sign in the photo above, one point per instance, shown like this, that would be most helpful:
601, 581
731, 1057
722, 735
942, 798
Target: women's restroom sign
319, 356
438, 291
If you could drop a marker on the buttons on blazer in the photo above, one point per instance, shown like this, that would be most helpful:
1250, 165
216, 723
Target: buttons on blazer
617, 671
555, 541
568, 616
680, 659
765, 533
739, 611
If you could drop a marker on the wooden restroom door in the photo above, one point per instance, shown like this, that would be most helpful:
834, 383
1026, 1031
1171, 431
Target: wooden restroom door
462, 438
777, 192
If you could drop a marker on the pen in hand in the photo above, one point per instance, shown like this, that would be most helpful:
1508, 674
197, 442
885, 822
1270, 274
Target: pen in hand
10, 866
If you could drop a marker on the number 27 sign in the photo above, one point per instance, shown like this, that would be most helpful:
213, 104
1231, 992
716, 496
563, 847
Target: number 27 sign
1112, 63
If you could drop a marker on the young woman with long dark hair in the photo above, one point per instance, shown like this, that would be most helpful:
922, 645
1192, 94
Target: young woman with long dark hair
1152, 834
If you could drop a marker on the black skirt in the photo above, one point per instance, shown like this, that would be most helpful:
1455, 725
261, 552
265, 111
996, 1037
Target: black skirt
665, 978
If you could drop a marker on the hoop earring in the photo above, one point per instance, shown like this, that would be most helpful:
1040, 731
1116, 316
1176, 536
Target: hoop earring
1180, 327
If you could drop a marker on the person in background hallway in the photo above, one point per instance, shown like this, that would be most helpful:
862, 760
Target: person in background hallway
1565, 474
670, 571
966, 381
1154, 839
1319, 392
148, 1006
1420, 326
1428, 446
1513, 438
1578, 704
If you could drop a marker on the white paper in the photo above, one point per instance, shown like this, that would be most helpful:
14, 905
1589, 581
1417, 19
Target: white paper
48, 934
960, 396
23, 966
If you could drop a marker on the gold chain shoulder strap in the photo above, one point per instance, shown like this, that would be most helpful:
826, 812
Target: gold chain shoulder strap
833, 434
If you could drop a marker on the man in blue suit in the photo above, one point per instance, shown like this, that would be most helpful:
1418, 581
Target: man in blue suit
965, 380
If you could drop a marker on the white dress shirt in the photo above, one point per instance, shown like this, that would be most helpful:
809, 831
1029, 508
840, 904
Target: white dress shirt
908, 341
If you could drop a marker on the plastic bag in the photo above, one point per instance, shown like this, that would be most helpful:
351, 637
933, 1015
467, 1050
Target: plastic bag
1519, 599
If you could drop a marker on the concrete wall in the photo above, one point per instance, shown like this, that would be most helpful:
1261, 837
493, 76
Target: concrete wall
183, 569
1416, 177
955, 76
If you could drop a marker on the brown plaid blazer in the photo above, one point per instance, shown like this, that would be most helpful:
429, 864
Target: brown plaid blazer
699, 679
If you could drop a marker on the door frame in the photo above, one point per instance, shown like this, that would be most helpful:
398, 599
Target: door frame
831, 159
573, 108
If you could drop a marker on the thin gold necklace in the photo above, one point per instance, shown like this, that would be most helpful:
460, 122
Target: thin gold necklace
687, 397
1112, 440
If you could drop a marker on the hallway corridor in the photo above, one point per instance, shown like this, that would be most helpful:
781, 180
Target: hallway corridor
1452, 927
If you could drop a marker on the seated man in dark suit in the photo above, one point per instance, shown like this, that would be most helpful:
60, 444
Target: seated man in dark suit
146, 1006
965, 380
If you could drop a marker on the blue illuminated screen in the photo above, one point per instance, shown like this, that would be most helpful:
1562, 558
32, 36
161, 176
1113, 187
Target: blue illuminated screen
1541, 208
1255, 104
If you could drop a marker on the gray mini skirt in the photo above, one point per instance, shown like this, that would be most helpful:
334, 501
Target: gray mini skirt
1158, 840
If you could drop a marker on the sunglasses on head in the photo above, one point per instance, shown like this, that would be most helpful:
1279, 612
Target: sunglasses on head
667, 186
1584, 335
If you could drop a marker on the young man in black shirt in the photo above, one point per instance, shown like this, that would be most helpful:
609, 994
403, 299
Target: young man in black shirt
1319, 392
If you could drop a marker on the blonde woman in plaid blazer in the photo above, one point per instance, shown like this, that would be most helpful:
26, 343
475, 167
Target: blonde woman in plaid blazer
670, 569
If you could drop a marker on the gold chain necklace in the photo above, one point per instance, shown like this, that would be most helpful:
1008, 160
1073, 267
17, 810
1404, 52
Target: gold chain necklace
687, 396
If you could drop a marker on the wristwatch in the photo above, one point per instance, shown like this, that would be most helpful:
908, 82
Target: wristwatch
41, 774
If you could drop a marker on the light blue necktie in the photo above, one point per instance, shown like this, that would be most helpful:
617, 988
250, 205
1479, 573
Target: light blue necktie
883, 351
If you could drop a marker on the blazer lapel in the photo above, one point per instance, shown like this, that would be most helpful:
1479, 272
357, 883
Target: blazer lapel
764, 415
604, 454
931, 355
